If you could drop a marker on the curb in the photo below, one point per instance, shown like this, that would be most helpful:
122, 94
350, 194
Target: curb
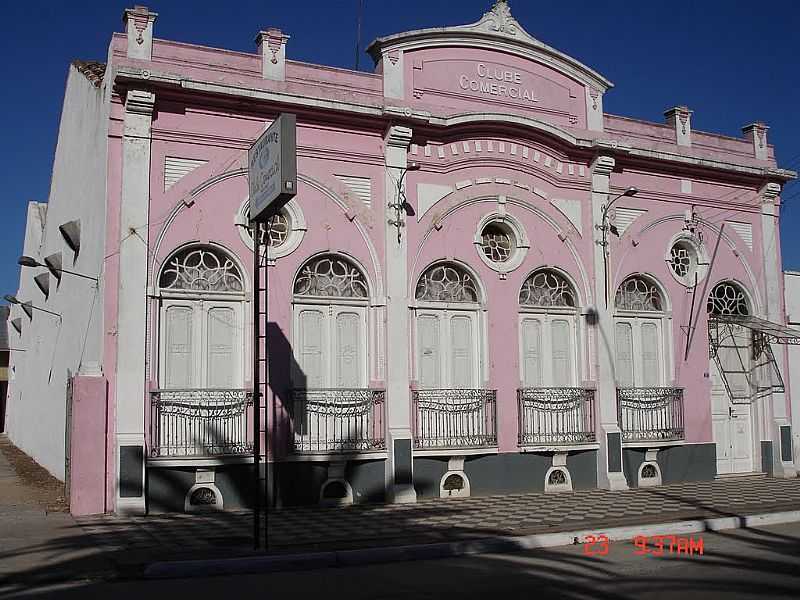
504, 544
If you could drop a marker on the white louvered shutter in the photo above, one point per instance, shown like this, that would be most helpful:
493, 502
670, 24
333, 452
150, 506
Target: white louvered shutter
220, 359
179, 359
531, 353
562, 365
650, 363
461, 363
348, 350
624, 366
312, 336
429, 353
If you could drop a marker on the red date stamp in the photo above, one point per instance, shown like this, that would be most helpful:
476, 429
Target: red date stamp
655, 545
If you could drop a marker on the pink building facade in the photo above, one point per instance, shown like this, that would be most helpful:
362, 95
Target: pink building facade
485, 284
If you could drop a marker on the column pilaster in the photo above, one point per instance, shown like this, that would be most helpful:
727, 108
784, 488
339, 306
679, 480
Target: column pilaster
399, 438
609, 457
132, 299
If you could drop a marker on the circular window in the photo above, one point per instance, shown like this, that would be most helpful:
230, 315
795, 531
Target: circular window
686, 260
501, 242
497, 242
282, 233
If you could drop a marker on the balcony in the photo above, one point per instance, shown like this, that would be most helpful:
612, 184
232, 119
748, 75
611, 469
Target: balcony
454, 419
556, 416
338, 421
197, 423
650, 414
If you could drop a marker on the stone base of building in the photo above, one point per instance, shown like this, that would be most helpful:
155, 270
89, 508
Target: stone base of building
671, 464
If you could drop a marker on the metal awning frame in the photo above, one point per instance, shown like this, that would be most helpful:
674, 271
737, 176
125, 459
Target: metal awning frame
774, 333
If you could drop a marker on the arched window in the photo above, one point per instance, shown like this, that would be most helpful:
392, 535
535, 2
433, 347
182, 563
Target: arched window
330, 315
727, 299
201, 325
447, 328
548, 330
640, 334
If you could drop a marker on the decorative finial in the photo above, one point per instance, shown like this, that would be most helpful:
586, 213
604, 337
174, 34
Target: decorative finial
501, 19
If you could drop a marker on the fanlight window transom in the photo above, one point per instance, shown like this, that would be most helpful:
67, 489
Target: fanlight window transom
447, 283
727, 299
547, 288
201, 270
331, 276
639, 294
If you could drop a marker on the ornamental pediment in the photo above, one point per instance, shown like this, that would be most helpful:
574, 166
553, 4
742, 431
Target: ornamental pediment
493, 63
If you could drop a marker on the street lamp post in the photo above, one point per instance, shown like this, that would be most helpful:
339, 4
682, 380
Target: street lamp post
604, 227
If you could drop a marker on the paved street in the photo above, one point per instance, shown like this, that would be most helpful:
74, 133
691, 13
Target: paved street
762, 563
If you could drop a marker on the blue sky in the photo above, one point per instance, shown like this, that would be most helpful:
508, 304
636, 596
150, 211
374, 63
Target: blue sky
731, 61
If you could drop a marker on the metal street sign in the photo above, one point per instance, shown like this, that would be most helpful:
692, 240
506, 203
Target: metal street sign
272, 168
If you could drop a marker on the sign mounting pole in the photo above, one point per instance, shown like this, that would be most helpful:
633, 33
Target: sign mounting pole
272, 179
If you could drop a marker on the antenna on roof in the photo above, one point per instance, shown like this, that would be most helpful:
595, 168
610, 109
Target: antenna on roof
359, 18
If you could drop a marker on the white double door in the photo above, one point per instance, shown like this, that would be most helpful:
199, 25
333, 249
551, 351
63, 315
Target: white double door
731, 412
202, 344
448, 354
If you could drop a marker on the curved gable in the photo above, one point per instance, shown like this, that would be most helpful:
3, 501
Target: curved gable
491, 65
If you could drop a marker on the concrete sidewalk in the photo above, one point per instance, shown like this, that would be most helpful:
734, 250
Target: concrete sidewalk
38, 546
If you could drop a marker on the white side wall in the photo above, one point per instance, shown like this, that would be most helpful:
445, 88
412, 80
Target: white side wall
792, 298
57, 349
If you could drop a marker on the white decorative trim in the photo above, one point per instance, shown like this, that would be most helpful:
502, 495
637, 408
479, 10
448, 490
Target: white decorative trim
361, 187
624, 217
176, 169
559, 464
649, 461
744, 231
336, 475
572, 209
218, 505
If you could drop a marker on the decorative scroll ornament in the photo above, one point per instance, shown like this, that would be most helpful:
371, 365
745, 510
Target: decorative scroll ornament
547, 288
331, 275
500, 19
727, 299
636, 293
201, 269
446, 283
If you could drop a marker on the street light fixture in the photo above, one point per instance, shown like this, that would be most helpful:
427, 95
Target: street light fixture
29, 261
13, 300
400, 204
604, 227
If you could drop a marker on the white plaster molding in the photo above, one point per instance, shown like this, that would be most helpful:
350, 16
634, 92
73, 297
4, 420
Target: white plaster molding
138, 23
594, 108
572, 210
428, 194
770, 191
361, 187
398, 368
701, 260
393, 63
496, 30
603, 165
756, 133
743, 230
271, 46
176, 168
624, 217
649, 463
680, 119
132, 297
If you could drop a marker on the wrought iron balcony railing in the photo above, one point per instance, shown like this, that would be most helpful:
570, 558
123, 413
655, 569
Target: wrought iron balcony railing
650, 414
556, 416
344, 420
455, 419
200, 422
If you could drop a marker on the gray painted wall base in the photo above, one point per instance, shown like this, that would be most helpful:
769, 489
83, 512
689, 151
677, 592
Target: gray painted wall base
689, 462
